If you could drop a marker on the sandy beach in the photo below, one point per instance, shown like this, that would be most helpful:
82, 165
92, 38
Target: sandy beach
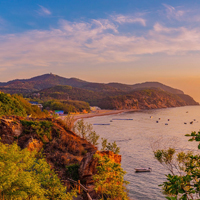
98, 113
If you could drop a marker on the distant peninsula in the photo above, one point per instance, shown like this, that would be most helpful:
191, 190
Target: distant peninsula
114, 96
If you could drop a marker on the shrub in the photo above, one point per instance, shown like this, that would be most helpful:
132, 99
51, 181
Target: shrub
85, 130
109, 180
40, 127
72, 171
109, 146
183, 181
23, 176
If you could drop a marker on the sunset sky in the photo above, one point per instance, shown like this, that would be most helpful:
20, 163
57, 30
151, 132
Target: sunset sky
127, 41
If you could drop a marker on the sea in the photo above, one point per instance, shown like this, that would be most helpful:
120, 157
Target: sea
143, 133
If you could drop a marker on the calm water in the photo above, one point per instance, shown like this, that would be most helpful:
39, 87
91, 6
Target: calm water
135, 138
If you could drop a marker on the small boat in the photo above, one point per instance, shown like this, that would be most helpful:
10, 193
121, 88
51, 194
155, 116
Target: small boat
185, 123
157, 121
191, 122
151, 117
101, 124
143, 169
166, 123
122, 119
168, 119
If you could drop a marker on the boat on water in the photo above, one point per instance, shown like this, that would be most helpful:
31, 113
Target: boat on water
143, 169
122, 119
101, 124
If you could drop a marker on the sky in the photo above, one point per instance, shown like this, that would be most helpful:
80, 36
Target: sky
127, 41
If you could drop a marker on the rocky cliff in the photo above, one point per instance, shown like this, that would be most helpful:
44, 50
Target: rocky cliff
62, 148
146, 99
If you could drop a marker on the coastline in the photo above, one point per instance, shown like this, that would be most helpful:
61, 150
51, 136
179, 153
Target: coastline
99, 113
104, 112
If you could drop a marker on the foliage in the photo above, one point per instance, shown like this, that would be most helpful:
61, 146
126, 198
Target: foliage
183, 182
109, 146
32, 110
23, 176
10, 105
67, 106
42, 128
109, 180
18, 106
69, 122
85, 130
72, 171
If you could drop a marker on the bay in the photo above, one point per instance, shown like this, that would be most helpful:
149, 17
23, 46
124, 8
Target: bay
136, 138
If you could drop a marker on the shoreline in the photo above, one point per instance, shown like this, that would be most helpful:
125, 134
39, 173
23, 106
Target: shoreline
99, 113
104, 112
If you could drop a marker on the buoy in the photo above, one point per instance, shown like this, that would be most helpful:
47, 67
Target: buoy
156, 121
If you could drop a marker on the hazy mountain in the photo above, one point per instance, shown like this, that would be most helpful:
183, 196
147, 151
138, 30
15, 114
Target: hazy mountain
145, 86
83, 90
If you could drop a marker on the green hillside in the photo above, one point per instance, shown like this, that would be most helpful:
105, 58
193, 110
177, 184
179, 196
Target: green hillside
16, 105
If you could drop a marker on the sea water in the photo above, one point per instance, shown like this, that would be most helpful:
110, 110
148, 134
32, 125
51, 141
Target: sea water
138, 138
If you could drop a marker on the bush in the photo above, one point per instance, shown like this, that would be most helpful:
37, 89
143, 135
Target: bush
18, 106
67, 106
109, 180
40, 127
85, 130
183, 181
10, 105
72, 171
23, 176
109, 146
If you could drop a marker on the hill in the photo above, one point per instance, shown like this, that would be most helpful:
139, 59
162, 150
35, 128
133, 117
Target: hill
50, 80
18, 106
136, 99
50, 86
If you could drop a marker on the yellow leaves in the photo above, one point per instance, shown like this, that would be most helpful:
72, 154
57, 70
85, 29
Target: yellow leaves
23, 176
109, 178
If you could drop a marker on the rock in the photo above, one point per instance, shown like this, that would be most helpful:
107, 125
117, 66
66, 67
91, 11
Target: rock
10, 128
34, 144
88, 165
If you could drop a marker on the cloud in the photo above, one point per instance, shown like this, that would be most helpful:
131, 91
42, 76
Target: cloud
172, 12
122, 19
43, 11
94, 42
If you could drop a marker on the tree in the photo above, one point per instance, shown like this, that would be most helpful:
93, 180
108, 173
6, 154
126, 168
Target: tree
109, 146
109, 180
23, 176
183, 181
85, 130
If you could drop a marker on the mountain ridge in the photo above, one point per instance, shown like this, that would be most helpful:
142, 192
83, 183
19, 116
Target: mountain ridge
52, 86
53, 79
